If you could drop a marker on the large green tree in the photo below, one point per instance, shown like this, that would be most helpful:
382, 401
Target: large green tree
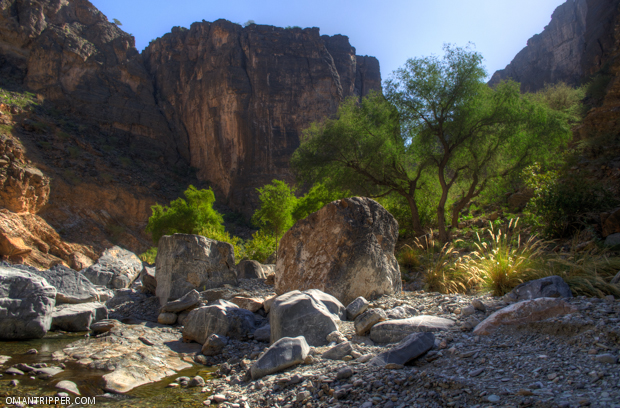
439, 122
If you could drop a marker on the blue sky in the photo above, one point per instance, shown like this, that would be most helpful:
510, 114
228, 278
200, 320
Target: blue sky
391, 30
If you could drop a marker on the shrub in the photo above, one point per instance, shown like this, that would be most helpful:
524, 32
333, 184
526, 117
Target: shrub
149, 255
187, 217
221, 235
314, 200
260, 247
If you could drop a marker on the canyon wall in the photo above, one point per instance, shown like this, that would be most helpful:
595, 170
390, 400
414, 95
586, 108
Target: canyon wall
575, 44
239, 98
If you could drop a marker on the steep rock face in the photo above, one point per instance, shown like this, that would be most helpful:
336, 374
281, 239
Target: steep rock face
554, 55
578, 41
68, 52
238, 98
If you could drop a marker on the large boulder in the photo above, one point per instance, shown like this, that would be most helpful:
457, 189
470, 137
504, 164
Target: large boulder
393, 331
282, 354
149, 282
78, 317
187, 301
71, 286
549, 286
301, 314
186, 262
117, 268
345, 249
223, 318
26, 305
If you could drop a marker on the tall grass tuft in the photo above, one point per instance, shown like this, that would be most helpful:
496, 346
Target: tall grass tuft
504, 261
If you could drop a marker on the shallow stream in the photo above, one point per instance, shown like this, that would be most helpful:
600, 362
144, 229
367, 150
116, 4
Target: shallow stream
89, 381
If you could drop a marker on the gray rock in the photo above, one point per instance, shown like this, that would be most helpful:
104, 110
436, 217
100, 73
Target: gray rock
167, 318
68, 386
47, 372
190, 299
214, 345
364, 322
104, 325
336, 337
196, 381
71, 286
263, 334
393, 331
300, 314
223, 318
117, 269
468, 311
331, 303
616, 279
606, 358
339, 351
345, 249
26, 305
478, 305
149, 280
284, 353
186, 262
357, 307
411, 347
612, 240
401, 312
250, 269
14, 371
344, 373
550, 286
182, 316
78, 317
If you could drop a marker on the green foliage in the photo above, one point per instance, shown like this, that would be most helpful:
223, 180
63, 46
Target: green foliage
249, 23
260, 247
562, 98
117, 22
560, 199
314, 200
291, 27
189, 216
275, 213
149, 255
439, 127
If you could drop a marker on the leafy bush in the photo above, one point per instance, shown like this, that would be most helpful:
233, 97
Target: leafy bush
149, 255
221, 235
260, 247
560, 201
187, 217
314, 200
275, 213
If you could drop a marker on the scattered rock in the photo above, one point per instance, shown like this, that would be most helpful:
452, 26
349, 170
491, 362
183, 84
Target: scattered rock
549, 286
344, 373
284, 353
356, 307
167, 318
364, 322
248, 303
345, 249
187, 301
393, 331
27, 303
612, 240
68, 386
336, 337
401, 312
300, 314
196, 381
214, 345
524, 312
222, 317
186, 262
263, 334
339, 351
411, 347
104, 325
606, 358
478, 305
149, 280
78, 317
249, 269
117, 268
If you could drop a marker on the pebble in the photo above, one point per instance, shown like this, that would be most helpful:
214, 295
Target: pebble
606, 358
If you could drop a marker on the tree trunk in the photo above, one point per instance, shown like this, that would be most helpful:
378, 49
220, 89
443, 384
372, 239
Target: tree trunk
463, 201
415, 216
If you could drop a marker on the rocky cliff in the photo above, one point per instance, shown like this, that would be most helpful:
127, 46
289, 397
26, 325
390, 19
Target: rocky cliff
109, 132
238, 99
575, 44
